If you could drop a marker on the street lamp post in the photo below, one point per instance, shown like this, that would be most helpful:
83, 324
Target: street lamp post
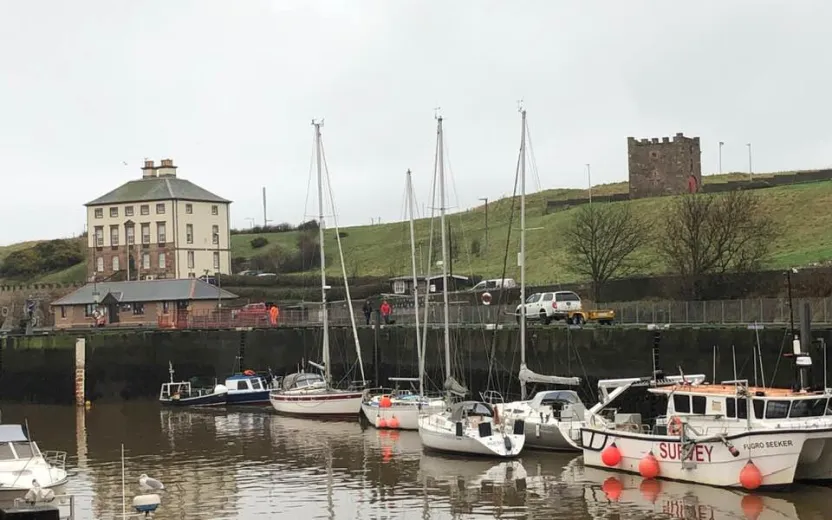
589, 182
750, 170
219, 272
721, 144
485, 199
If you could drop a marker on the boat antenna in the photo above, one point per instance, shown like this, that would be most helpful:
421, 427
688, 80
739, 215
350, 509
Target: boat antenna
734, 357
170, 371
657, 373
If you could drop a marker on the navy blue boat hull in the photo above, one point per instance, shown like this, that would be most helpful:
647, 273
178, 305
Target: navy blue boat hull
201, 400
258, 397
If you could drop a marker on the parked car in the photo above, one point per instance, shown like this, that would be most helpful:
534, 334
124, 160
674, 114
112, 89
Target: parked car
549, 306
496, 283
249, 272
265, 275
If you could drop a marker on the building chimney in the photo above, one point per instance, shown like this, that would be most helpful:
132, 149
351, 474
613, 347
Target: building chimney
148, 170
167, 169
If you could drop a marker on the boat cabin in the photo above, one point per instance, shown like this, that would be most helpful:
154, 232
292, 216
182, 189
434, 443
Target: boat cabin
15, 444
564, 404
246, 383
304, 381
730, 401
465, 409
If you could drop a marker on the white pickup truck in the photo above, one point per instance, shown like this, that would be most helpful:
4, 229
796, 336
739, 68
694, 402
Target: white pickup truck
549, 306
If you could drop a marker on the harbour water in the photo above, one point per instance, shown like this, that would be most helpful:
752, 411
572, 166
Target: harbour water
249, 463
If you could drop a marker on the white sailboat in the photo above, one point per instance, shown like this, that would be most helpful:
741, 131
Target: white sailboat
469, 427
554, 417
401, 409
311, 394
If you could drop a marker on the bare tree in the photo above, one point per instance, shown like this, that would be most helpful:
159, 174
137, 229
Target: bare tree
715, 234
602, 239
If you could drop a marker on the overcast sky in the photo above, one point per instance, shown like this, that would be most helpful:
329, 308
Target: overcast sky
228, 90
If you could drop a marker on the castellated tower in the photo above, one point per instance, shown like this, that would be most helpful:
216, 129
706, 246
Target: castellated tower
664, 167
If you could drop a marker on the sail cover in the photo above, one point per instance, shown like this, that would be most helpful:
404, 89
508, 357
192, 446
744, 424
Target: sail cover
527, 376
453, 386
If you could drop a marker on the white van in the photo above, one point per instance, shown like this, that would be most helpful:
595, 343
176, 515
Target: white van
496, 283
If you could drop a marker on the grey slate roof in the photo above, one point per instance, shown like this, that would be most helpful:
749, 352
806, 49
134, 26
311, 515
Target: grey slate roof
146, 291
157, 188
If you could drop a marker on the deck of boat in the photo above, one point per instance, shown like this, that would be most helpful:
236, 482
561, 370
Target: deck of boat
729, 389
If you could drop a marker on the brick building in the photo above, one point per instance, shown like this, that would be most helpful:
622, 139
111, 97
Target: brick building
666, 167
159, 226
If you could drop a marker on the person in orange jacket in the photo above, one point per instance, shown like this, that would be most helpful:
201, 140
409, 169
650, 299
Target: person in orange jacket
386, 311
274, 313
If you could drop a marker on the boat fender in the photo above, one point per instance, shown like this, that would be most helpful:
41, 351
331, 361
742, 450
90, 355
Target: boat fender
537, 430
385, 402
393, 423
750, 476
381, 422
507, 441
674, 426
611, 455
648, 467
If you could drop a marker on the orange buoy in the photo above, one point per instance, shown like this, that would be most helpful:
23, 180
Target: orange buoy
611, 455
385, 402
650, 489
612, 488
381, 422
393, 423
750, 476
752, 506
648, 467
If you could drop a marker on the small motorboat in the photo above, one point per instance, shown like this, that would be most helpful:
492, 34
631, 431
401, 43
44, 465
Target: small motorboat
248, 388
181, 393
22, 463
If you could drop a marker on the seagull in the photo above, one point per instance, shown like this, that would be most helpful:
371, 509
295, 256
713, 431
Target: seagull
150, 483
38, 494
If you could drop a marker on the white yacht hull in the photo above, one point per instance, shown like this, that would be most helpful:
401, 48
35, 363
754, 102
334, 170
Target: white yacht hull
406, 414
781, 456
438, 433
16, 476
544, 433
318, 403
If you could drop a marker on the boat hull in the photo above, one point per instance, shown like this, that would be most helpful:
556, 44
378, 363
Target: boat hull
326, 403
438, 433
200, 401
547, 433
777, 454
406, 413
253, 397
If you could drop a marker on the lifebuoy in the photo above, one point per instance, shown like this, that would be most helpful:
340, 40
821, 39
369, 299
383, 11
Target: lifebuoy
486, 298
674, 426
249, 372
5, 311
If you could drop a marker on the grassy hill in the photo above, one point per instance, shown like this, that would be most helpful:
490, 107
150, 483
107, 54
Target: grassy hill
384, 250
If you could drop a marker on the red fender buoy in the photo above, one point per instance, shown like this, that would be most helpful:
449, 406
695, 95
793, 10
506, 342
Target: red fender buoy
648, 467
393, 423
611, 455
381, 422
385, 402
750, 476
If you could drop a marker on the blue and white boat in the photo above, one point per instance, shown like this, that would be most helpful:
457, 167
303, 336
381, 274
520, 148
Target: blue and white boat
248, 388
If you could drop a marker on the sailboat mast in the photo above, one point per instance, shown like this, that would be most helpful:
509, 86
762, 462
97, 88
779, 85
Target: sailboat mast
321, 226
441, 160
410, 204
522, 256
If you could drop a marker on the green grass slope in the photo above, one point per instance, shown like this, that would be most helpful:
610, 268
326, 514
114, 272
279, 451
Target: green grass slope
803, 211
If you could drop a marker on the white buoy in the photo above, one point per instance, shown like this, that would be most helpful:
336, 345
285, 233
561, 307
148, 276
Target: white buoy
147, 503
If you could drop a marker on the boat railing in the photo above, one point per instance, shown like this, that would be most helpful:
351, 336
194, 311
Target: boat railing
54, 458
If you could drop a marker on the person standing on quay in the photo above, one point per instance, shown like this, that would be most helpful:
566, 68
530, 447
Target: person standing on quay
368, 310
386, 310
274, 313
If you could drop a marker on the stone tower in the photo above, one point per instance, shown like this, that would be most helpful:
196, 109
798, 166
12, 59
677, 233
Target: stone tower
664, 167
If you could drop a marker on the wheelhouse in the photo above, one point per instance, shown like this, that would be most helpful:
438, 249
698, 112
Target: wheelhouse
15, 444
244, 383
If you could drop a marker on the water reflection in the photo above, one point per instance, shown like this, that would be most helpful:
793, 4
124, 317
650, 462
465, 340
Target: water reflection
247, 463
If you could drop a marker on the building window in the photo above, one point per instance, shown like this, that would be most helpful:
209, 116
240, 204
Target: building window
189, 209
130, 231
215, 210
128, 211
63, 311
216, 261
160, 232
99, 264
191, 275
399, 287
145, 233
138, 309
116, 264
189, 233
190, 259
113, 212
144, 209
160, 209
146, 261
215, 234
99, 236
99, 212
113, 235
162, 261
165, 307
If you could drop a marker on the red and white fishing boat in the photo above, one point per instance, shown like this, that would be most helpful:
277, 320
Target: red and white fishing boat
729, 435
312, 394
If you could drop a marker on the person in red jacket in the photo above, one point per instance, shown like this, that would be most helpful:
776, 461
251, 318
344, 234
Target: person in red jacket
386, 311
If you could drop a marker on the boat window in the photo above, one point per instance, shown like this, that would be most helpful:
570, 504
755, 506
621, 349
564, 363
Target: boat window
829, 408
777, 409
6, 451
24, 450
731, 407
699, 403
681, 403
742, 408
759, 406
255, 383
242, 385
808, 408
